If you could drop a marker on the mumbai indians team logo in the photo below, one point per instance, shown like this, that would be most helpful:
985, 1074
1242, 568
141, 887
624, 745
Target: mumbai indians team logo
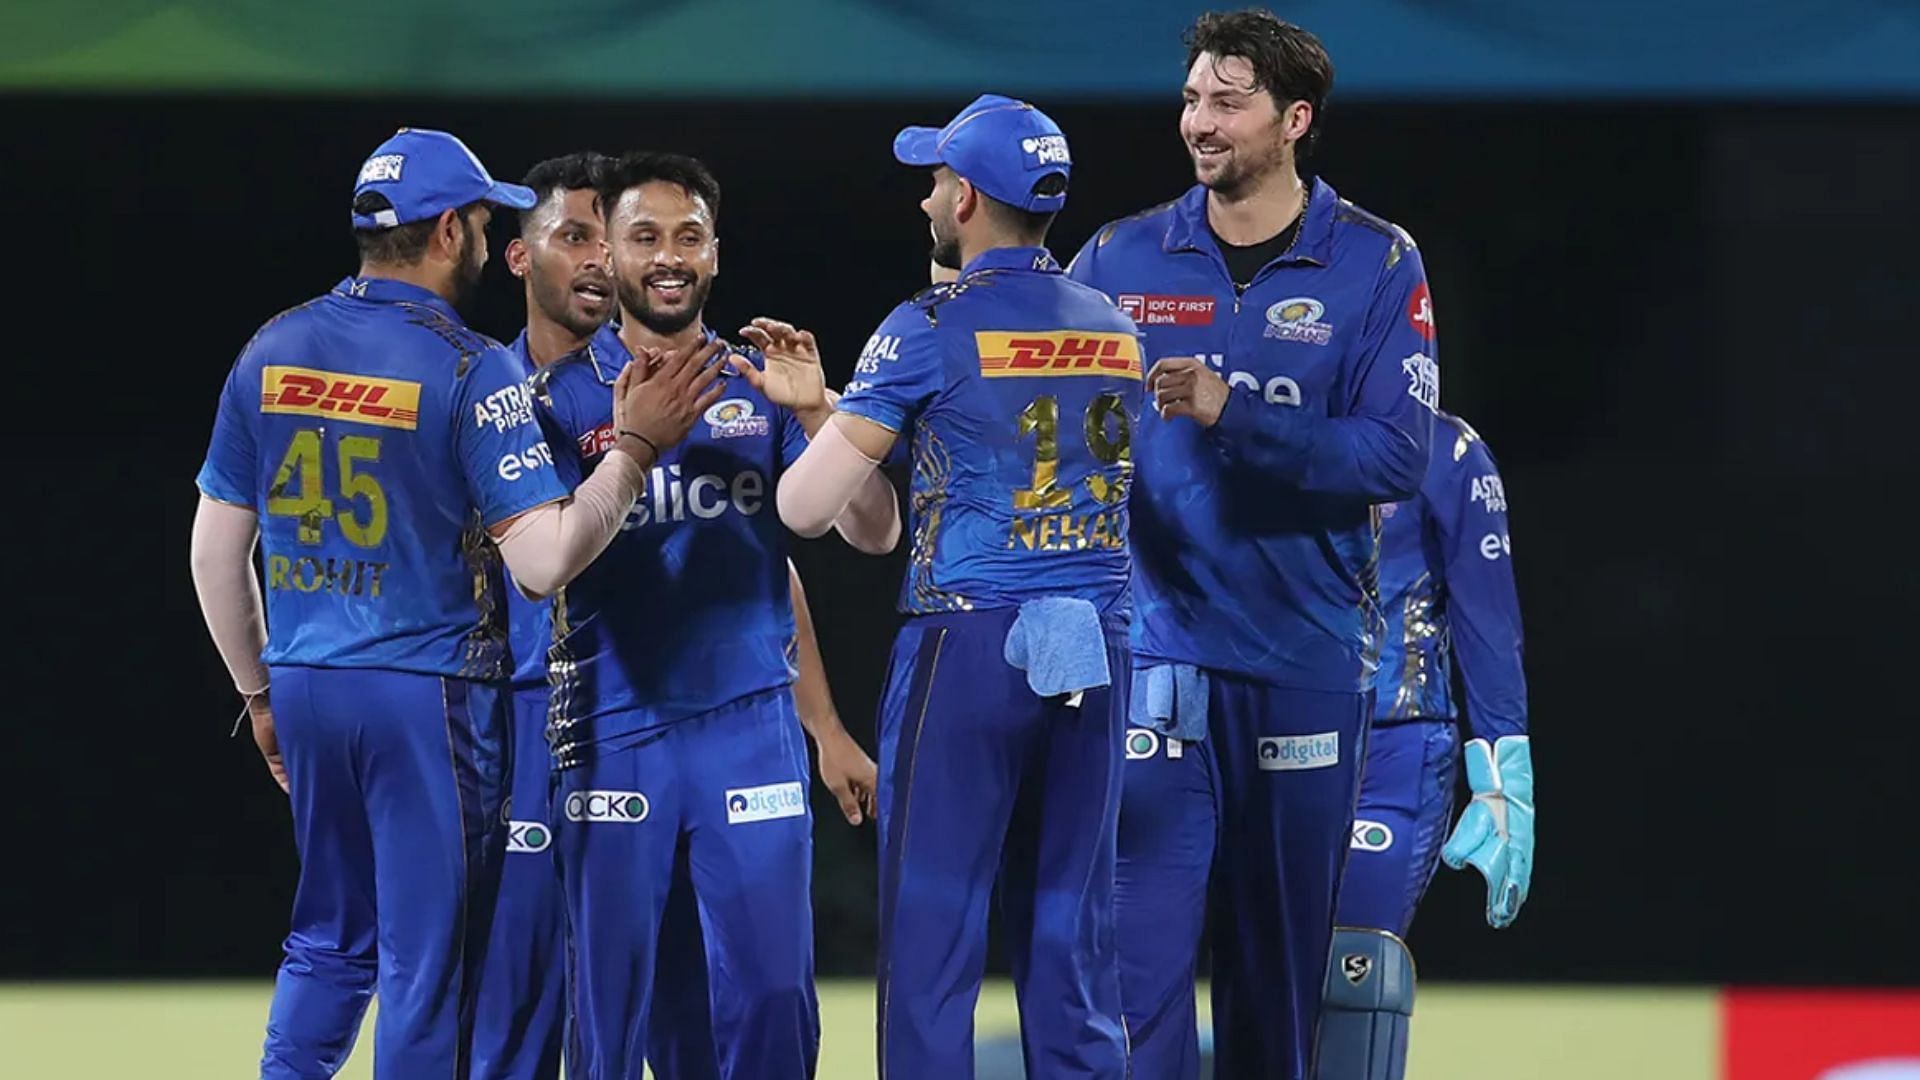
528, 837
734, 419
1371, 836
1298, 319
625, 807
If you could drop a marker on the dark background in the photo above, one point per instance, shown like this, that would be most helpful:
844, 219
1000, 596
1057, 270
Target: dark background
1689, 334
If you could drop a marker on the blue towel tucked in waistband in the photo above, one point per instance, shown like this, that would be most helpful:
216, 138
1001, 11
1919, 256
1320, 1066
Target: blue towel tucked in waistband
1058, 642
1171, 698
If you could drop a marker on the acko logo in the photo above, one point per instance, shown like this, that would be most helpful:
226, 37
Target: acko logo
533, 457
627, 807
528, 837
1291, 753
1004, 355
298, 391
766, 803
1145, 743
1371, 835
1298, 319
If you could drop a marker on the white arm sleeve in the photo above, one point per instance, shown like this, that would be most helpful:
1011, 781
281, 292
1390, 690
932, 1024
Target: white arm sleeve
222, 559
549, 545
818, 488
871, 521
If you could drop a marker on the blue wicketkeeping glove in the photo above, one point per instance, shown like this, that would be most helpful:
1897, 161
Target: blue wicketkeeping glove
1495, 834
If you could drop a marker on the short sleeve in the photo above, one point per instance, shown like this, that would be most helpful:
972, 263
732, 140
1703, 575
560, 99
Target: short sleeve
899, 371
502, 448
231, 471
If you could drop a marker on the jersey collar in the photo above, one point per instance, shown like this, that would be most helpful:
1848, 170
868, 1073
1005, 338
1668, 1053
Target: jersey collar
1036, 259
1188, 230
389, 291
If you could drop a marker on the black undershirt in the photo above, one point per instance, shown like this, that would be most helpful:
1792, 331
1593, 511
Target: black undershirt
1244, 262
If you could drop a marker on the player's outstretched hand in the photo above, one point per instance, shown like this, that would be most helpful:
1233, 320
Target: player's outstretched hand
260, 713
1495, 834
1186, 386
793, 376
849, 773
657, 400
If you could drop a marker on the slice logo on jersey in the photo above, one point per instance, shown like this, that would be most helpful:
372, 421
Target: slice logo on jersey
513, 466
1291, 753
734, 419
507, 407
1423, 380
1149, 309
1356, 967
1298, 319
528, 837
1278, 390
1494, 545
1371, 835
1420, 312
766, 803
383, 169
1144, 743
1060, 352
623, 807
1046, 150
1490, 493
668, 498
297, 391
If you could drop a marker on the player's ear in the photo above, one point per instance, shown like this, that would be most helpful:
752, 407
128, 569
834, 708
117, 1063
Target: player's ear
966, 199
449, 234
715, 272
1296, 119
518, 257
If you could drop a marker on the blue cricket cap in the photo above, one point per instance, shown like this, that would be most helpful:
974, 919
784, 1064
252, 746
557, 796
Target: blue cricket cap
423, 173
999, 144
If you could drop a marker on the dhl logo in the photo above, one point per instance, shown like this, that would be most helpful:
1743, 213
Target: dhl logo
393, 403
1057, 352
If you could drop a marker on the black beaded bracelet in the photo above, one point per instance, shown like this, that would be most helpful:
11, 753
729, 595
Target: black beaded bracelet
642, 438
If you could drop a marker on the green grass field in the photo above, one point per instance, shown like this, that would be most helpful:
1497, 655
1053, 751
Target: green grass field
209, 1031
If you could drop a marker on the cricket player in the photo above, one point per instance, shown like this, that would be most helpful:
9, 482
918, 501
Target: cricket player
672, 717
1293, 384
381, 450
1001, 720
1446, 586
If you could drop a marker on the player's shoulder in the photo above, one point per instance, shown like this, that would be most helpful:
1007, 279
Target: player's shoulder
1088, 307
284, 329
1457, 444
1145, 227
1373, 238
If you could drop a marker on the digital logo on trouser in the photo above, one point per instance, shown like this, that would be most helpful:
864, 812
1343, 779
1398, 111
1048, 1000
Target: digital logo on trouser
1289, 753
766, 803
626, 807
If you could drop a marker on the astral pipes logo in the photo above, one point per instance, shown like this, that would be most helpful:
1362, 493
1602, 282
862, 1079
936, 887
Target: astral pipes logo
1288, 753
630, 807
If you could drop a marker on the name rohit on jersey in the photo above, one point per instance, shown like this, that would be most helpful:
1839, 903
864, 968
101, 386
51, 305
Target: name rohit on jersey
307, 574
505, 408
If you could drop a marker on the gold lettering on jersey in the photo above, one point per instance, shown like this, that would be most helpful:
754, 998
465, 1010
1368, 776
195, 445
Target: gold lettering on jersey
307, 574
297, 391
1055, 353
1104, 530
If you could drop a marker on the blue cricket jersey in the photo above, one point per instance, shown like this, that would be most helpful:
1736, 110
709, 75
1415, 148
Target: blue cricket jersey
1019, 392
688, 608
529, 629
1447, 592
378, 438
1254, 541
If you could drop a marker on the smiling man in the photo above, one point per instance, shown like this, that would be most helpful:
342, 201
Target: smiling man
1294, 385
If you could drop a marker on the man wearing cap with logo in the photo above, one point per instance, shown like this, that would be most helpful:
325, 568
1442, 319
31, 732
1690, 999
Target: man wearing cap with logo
380, 450
676, 735
1447, 592
1000, 725
1293, 383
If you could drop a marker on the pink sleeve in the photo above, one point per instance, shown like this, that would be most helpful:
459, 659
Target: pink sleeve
549, 545
222, 560
820, 488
